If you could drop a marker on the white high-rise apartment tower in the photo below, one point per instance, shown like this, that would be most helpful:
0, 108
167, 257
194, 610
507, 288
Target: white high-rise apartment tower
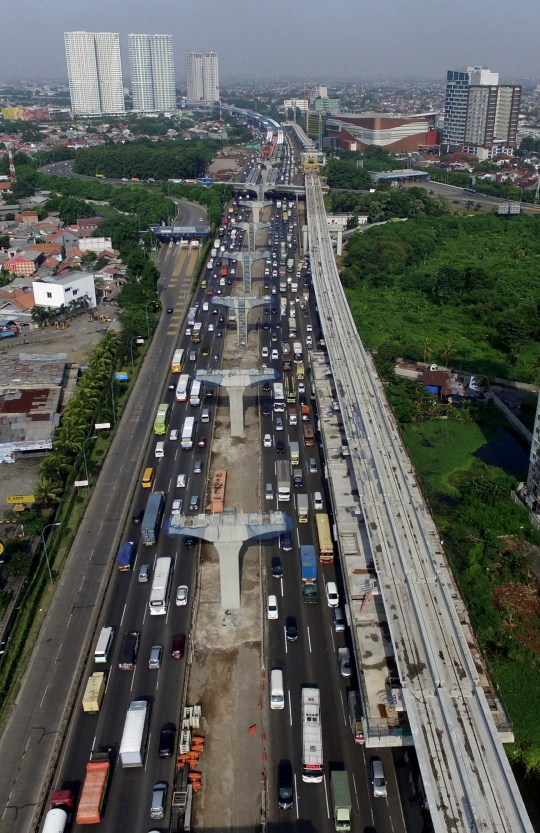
151, 62
95, 72
202, 76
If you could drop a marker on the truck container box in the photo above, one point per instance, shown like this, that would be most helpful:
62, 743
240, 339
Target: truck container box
133, 743
341, 800
94, 691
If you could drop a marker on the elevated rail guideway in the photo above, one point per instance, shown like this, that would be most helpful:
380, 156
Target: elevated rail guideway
467, 778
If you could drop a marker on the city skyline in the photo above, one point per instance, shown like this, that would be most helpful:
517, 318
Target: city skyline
300, 41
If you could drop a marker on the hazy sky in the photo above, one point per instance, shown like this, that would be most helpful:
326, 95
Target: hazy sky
301, 38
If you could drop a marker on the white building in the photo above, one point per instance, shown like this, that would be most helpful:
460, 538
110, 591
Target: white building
55, 292
95, 72
151, 62
301, 104
202, 76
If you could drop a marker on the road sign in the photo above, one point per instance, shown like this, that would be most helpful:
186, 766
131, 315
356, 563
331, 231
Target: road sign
21, 499
81, 483
100, 425
121, 377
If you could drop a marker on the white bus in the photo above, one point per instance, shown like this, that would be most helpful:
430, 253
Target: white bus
312, 751
297, 352
182, 388
279, 397
195, 394
159, 595
188, 433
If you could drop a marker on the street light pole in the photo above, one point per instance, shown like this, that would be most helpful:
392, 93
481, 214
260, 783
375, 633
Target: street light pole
92, 437
146, 313
45, 547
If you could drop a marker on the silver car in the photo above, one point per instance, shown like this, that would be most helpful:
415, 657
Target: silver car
377, 778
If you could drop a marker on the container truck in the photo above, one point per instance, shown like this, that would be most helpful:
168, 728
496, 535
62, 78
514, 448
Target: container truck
133, 743
94, 691
308, 569
341, 800
94, 788
355, 717
127, 658
152, 518
295, 453
305, 413
302, 505
283, 480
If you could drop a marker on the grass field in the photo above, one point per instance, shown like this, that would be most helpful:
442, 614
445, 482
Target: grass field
441, 447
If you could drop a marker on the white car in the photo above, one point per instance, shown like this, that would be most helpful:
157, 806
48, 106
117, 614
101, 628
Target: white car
182, 595
264, 352
267, 442
301, 387
272, 607
188, 331
210, 328
275, 354
309, 341
309, 328
177, 506
332, 597
181, 481
173, 434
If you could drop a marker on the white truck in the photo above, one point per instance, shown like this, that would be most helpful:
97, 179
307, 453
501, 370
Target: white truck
312, 750
302, 504
134, 737
283, 480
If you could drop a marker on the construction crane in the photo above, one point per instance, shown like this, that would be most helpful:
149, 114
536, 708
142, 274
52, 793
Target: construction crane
12, 175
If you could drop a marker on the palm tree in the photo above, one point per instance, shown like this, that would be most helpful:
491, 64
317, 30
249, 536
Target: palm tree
535, 369
48, 491
426, 350
39, 315
483, 380
448, 352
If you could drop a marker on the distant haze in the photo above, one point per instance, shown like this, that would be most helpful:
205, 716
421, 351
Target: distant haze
316, 39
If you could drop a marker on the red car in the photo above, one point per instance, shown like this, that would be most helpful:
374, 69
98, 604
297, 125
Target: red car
202, 442
178, 645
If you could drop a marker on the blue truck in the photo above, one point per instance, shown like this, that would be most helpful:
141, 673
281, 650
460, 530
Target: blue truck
152, 518
125, 557
308, 569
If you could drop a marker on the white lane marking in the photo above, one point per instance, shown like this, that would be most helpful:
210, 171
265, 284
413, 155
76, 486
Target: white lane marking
157, 681
123, 614
144, 614
40, 705
176, 454
82, 582
147, 748
309, 639
356, 792
332, 636
94, 743
296, 797
290, 708
326, 796
167, 616
343, 707
59, 651
170, 484
133, 679
109, 675
282, 591
298, 535
285, 637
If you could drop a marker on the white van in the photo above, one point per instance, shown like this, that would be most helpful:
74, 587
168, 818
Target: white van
205, 306
160, 449
277, 697
205, 416
317, 501
104, 643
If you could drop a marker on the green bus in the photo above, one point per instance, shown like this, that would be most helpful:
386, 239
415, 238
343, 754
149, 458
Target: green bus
161, 420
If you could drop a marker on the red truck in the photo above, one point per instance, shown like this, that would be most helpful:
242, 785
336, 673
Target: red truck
305, 413
94, 788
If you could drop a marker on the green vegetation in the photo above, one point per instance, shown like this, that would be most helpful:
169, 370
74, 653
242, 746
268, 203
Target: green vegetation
464, 291
342, 173
145, 159
529, 145
387, 204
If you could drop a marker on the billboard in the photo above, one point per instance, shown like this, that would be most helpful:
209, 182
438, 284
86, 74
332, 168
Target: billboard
26, 113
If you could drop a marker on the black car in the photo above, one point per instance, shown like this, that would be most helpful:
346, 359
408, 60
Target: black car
280, 447
286, 541
137, 516
169, 310
215, 311
291, 628
266, 412
189, 542
166, 740
277, 568
285, 784
221, 319
266, 325
266, 386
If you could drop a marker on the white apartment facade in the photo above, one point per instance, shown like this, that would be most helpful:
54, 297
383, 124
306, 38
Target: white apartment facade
55, 292
151, 61
95, 72
202, 76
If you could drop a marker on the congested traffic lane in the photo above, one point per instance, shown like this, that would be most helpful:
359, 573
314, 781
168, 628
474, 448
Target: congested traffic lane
127, 608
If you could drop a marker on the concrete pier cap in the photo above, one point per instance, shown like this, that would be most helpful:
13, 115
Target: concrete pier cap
236, 380
228, 532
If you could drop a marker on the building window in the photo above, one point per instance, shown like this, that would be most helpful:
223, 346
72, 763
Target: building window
75, 292
68, 289
49, 294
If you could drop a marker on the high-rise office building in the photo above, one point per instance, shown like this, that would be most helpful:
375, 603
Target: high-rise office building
95, 72
202, 76
151, 63
480, 115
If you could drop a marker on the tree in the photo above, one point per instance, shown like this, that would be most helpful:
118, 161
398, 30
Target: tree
40, 315
48, 490
448, 352
4, 241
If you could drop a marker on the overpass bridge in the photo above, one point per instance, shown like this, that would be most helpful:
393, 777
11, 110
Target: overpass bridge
442, 683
